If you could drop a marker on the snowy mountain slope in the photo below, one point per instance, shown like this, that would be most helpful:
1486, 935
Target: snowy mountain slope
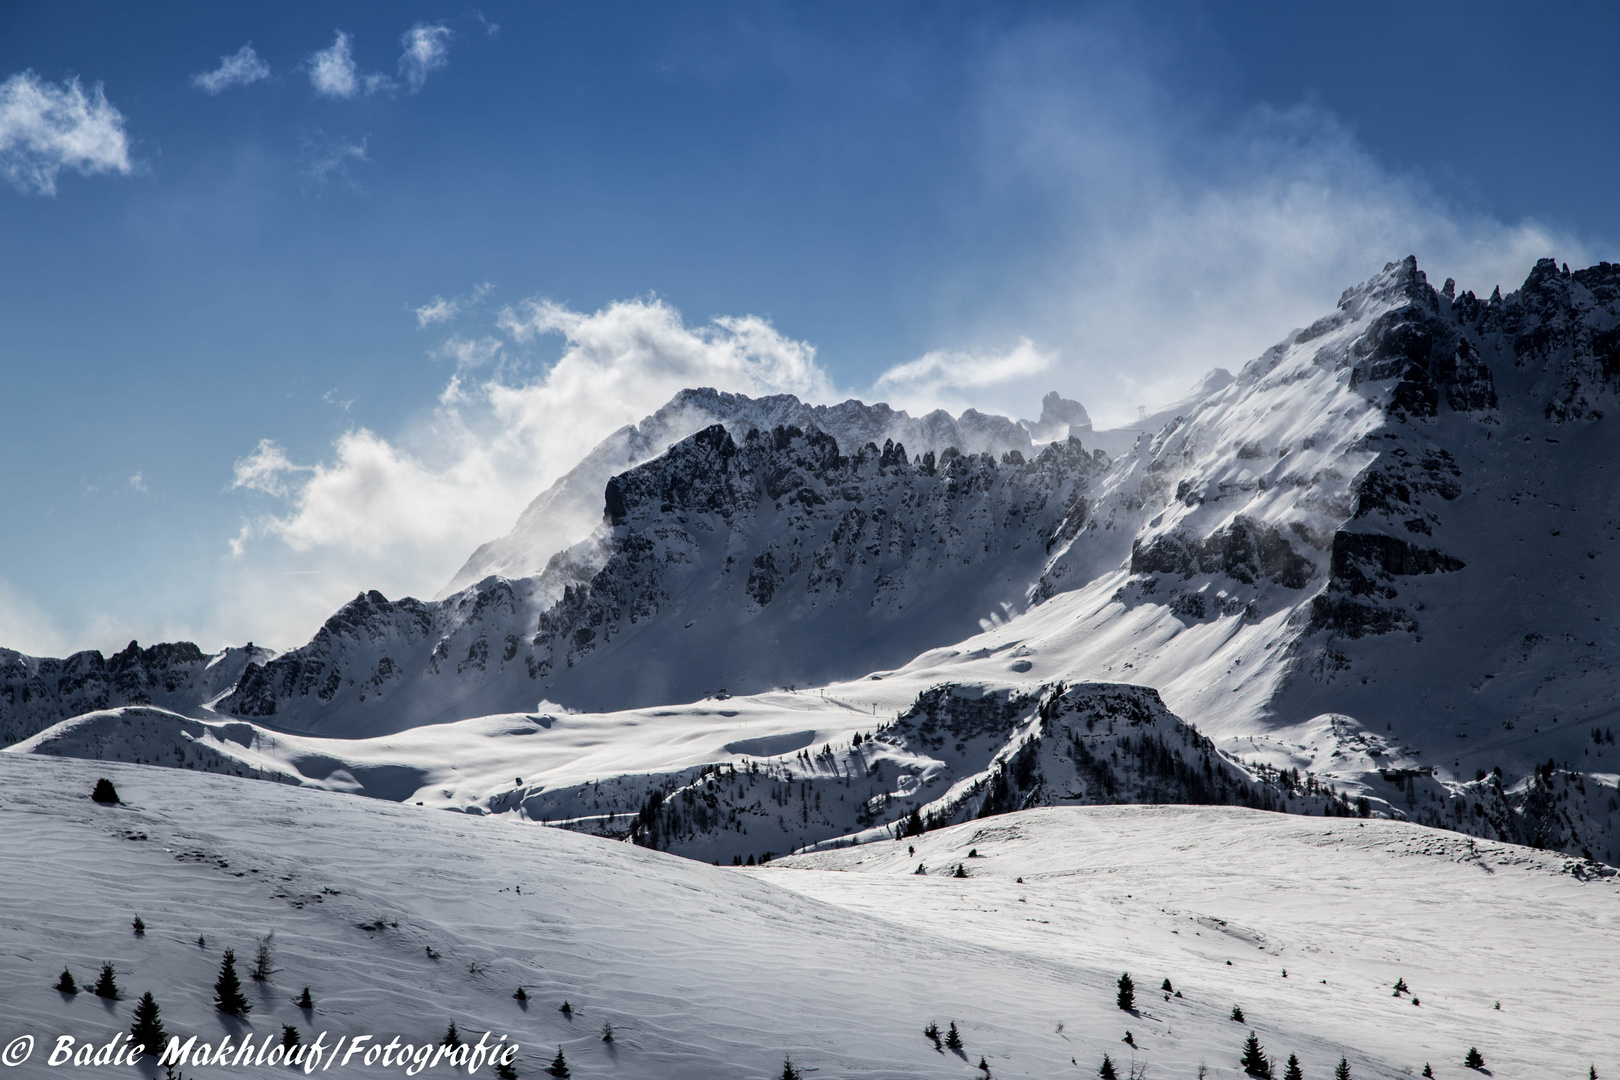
401, 920
723, 565
566, 512
1343, 907
36, 692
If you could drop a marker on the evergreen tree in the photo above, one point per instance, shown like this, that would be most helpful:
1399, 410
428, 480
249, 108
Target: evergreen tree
1167, 988
264, 958
559, 1065
1127, 993
932, 1032
304, 1000
104, 792
66, 983
106, 985
960, 871
1292, 1071
290, 1038
452, 1037
953, 1038
1106, 1070
914, 824
1341, 1071
228, 997
1255, 1062
522, 994
504, 1071
984, 1065
1237, 1014
139, 927
607, 1033
1591, 1072
1474, 1059
147, 1030
789, 1072
1426, 1070
566, 1009
1400, 987
202, 942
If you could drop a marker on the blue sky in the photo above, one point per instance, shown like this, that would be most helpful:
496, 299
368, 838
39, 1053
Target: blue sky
328, 318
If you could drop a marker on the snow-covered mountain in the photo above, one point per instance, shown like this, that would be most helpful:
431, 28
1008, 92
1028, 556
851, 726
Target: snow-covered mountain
36, 692
566, 512
1375, 556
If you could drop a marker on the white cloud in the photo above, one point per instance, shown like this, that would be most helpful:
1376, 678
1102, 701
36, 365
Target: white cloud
401, 514
137, 483
238, 69
333, 74
957, 380
427, 48
46, 128
1171, 240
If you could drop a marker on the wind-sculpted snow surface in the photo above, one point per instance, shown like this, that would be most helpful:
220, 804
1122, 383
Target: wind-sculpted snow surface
722, 567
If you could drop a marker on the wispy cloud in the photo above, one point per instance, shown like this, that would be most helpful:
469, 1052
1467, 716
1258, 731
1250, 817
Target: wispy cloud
47, 127
238, 69
325, 160
439, 310
960, 379
333, 74
1173, 237
491, 29
427, 49
137, 483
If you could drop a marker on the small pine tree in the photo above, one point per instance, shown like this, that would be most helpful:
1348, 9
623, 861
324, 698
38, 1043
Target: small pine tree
264, 958
228, 997
1237, 1014
1127, 993
932, 1032
504, 1071
1341, 1071
607, 1032
1591, 1072
914, 824
1167, 988
1474, 1059
104, 792
107, 985
1292, 1071
290, 1038
1400, 987
138, 926
452, 1037
789, 1072
304, 1000
1254, 1061
559, 1065
1106, 1070
1427, 1071
566, 1009
202, 942
953, 1038
66, 983
984, 1066
522, 994
960, 871
147, 1030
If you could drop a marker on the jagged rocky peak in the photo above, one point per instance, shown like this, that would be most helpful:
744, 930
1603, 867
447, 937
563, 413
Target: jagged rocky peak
566, 512
36, 692
1060, 418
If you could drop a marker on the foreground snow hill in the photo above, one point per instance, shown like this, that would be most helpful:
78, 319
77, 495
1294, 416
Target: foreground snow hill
401, 920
